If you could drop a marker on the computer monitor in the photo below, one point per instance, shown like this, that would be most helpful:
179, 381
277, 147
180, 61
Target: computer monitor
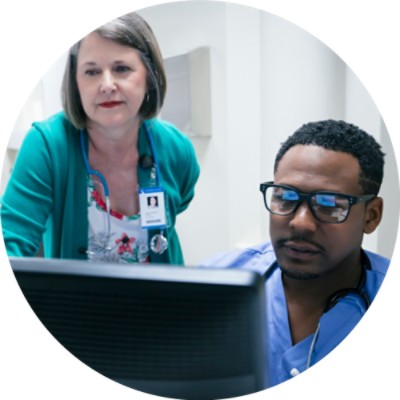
180, 332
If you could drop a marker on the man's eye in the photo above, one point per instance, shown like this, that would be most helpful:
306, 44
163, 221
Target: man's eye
289, 195
326, 200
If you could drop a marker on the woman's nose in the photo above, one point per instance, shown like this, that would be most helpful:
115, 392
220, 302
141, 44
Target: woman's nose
107, 84
303, 219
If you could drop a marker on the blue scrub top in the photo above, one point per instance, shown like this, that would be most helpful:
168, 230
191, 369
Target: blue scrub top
284, 359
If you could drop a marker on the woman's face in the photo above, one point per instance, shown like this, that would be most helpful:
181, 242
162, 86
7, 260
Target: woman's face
111, 80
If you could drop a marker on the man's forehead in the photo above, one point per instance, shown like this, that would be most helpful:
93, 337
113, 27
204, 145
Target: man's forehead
315, 162
317, 155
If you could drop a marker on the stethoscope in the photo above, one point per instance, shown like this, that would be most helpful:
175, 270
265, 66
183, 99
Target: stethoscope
356, 294
158, 243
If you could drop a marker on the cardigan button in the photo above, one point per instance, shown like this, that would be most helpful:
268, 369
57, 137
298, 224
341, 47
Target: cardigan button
82, 250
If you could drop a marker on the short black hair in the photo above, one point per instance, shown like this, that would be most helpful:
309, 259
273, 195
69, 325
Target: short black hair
343, 137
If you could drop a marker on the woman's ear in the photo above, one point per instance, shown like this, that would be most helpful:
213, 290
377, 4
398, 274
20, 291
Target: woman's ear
373, 215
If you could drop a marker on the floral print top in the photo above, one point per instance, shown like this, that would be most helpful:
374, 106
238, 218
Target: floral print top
125, 242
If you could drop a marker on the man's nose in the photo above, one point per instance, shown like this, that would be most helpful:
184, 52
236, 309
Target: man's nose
303, 219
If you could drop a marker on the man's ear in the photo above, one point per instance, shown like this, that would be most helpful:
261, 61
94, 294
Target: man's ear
373, 214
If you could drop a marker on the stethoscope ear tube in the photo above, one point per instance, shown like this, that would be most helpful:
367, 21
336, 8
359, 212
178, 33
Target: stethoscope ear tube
340, 294
335, 298
89, 170
357, 291
269, 271
154, 152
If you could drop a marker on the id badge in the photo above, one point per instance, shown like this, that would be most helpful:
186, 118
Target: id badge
152, 208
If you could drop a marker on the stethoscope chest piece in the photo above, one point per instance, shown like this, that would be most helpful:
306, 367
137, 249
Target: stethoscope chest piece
158, 244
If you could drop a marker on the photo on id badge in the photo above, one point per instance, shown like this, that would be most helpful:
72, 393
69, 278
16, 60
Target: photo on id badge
152, 208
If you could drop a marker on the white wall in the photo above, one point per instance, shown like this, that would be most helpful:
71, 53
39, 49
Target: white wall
362, 111
200, 226
268, 77
302, 81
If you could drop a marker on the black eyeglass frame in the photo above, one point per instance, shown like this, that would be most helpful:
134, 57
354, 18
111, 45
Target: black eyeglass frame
308, 196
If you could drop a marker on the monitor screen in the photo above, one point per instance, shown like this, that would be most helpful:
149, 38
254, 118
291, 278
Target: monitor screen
172, 331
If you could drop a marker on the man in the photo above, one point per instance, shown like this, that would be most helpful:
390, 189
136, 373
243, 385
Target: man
319, 280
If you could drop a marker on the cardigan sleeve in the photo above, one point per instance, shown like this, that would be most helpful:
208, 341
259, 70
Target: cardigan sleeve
27, 201
191, 172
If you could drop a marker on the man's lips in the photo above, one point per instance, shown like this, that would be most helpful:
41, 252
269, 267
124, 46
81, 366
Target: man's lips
110, 104
300, 247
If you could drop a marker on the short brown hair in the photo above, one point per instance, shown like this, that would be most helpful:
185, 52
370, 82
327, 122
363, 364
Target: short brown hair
129, 30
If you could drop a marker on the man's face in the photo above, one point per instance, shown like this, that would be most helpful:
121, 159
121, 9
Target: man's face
306, 248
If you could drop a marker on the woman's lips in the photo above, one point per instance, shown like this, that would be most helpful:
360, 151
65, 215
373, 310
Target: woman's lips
110, 104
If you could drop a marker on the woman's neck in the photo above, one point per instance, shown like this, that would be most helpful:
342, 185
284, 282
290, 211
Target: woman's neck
113, 148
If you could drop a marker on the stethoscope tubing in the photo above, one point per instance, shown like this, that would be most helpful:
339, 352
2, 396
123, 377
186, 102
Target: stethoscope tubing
91, 171
153, 153
356, 294
357, 291
103, 181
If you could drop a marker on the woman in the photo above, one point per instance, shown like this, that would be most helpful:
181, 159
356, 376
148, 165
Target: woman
82, 177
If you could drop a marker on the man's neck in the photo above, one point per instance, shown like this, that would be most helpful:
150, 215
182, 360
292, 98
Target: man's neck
306, 299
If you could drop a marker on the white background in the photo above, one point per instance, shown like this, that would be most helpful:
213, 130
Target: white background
365, 34
267, 77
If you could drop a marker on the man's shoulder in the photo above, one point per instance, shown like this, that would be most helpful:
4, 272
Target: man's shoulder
379, 264
376, 274
257, 257
378, 267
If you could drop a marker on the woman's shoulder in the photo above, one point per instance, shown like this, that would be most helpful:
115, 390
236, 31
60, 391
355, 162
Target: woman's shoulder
55, 123
167, 132
56, 132
51, 137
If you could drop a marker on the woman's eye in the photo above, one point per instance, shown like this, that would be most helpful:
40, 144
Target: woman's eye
91, 72
122, 68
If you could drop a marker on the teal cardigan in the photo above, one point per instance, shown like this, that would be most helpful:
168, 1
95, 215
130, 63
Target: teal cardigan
46, 197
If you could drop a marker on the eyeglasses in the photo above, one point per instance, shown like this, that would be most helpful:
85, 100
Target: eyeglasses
328, 207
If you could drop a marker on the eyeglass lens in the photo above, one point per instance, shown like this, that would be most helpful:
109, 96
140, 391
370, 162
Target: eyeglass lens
331, 208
